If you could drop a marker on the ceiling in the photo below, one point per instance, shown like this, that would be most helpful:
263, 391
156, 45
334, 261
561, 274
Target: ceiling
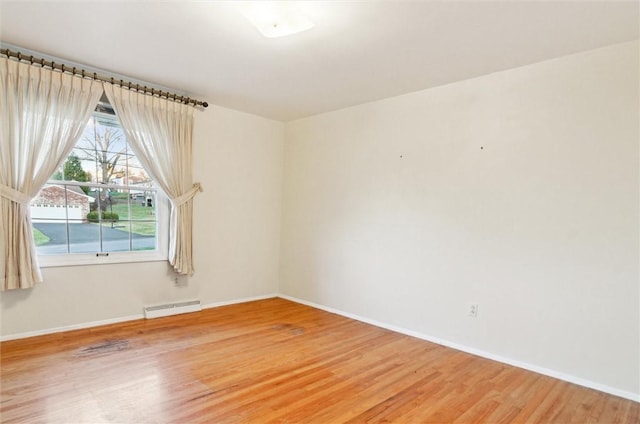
358, 51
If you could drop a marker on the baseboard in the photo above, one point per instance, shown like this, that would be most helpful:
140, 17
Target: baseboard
241, 300
477, 352
70, 327
120, 319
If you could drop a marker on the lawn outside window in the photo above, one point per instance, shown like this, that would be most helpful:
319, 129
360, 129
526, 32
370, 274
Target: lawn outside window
101, 206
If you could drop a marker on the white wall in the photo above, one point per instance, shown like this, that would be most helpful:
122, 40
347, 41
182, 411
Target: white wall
238, 160
517, 191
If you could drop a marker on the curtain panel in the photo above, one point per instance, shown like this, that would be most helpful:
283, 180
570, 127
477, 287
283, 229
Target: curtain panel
42, 115
159, 132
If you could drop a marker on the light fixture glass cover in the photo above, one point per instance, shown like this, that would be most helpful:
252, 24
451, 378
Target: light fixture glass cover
275, 18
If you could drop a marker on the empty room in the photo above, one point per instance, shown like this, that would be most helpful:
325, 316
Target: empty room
319, 212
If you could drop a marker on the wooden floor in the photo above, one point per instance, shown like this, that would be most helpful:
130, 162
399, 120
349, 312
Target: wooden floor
276, 361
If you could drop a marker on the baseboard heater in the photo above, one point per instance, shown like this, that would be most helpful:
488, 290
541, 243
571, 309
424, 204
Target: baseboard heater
172, 309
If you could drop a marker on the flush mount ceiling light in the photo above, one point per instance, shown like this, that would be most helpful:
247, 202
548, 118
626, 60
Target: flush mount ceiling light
275, 18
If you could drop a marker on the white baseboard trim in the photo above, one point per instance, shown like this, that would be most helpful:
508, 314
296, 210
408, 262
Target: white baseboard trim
120, 319
70, 327
241, 300
477, 352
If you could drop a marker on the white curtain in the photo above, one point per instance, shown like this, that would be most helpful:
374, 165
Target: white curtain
42, 114
159, 132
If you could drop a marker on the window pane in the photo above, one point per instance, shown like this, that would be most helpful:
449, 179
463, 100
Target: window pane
119, 204
143, 221
56, 213
144, 234
84, 237
73, 215
114, 239
104, 146
50, 237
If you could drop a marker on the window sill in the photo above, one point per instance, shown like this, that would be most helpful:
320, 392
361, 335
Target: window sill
50, 261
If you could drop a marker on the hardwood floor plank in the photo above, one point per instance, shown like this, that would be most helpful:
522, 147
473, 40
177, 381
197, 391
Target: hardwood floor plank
275, 361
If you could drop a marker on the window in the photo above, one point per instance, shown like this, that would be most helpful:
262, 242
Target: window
101, 205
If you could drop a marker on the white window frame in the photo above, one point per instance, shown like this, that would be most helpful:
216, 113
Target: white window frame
99, 258
161, 254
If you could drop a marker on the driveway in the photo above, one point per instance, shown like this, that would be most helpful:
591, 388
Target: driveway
85, 238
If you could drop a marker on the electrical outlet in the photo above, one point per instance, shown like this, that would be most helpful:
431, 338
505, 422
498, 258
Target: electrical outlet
473, 310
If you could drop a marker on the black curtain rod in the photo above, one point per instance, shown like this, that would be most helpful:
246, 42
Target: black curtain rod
85, 74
